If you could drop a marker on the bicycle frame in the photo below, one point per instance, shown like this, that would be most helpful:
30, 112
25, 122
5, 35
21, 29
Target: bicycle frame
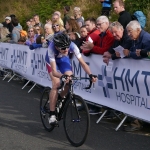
69, 97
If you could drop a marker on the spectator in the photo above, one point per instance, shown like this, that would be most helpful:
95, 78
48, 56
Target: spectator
73, 29
104, 40
83, 32
57, 27
36, 18
15, 31
140, 45
72, 26
124, 16
121, 38
78, 16
4, 34
93, 34
8, 24
106, 7
48, 35
39, 30
56, 17
32, 22
12, 16
140, 38
83, 36
32, 35
28, 24
103, 43
66, 14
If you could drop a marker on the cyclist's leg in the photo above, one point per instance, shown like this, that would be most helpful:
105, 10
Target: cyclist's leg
52, 95
53, 92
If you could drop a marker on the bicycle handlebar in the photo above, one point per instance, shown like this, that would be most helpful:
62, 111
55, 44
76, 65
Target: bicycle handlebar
62, 84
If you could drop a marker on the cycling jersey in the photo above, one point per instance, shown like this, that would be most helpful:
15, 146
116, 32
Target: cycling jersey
63, 62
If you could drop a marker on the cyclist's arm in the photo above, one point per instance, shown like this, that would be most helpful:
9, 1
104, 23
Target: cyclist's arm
51, 56
79, 57
84, 66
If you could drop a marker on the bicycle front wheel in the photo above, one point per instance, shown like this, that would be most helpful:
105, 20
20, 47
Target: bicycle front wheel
76, 121
44, 109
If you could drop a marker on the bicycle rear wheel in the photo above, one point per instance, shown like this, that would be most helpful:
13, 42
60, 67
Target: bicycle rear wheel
44, 109
76, 121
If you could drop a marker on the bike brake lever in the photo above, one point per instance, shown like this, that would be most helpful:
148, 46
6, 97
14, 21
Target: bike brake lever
88, 87
64, 86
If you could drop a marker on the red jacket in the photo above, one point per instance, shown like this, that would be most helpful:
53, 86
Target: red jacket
94, 35
103, 42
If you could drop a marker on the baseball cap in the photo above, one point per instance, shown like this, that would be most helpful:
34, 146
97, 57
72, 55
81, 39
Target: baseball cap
8, 18
77, 9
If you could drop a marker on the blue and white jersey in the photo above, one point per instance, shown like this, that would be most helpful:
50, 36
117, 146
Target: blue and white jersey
54, 54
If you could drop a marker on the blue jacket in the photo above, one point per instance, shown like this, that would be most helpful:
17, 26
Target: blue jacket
34, 46
107, 3
143, 42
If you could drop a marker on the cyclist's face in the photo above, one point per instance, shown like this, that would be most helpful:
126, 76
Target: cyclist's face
63, 51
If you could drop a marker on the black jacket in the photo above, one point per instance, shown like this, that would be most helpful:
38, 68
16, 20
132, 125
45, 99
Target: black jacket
124, 18
125, 42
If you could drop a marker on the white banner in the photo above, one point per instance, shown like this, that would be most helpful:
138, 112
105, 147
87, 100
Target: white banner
30, 64
126, 88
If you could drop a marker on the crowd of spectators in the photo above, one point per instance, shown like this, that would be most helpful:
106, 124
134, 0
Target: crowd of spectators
91, 35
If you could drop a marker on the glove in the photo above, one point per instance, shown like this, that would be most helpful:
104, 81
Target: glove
91, 76
63, 78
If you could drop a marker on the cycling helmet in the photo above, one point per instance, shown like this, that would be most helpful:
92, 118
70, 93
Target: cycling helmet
61, 40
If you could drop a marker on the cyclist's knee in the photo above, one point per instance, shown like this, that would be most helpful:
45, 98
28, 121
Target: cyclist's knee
55, 84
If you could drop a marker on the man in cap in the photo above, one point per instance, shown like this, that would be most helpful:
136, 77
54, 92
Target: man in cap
7, 23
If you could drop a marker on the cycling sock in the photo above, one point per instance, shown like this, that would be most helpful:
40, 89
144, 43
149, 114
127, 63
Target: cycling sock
52, 113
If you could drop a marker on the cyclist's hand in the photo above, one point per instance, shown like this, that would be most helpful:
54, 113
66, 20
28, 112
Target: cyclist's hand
65, 78
93, 77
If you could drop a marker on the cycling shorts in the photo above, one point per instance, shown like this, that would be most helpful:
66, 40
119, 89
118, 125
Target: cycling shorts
63, 64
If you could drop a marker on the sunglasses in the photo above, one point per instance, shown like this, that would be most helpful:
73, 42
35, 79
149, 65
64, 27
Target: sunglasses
38, 29
30, 31
64, 48
56, 25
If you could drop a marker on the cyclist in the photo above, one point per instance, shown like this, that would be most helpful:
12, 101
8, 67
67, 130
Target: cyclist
60, 66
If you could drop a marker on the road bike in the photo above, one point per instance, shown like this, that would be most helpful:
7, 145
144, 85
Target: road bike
73, 110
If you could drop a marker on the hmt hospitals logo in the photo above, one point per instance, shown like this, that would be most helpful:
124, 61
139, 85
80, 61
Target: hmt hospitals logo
13, 59
34, 64
105, 82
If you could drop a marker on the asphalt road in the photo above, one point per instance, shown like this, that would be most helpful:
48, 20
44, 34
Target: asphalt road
21, 127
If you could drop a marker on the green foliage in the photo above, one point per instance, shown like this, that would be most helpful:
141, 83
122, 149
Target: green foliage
25, 9
134, 5
45, 8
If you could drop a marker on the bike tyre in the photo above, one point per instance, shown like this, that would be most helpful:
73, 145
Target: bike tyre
44, 109
76, 138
